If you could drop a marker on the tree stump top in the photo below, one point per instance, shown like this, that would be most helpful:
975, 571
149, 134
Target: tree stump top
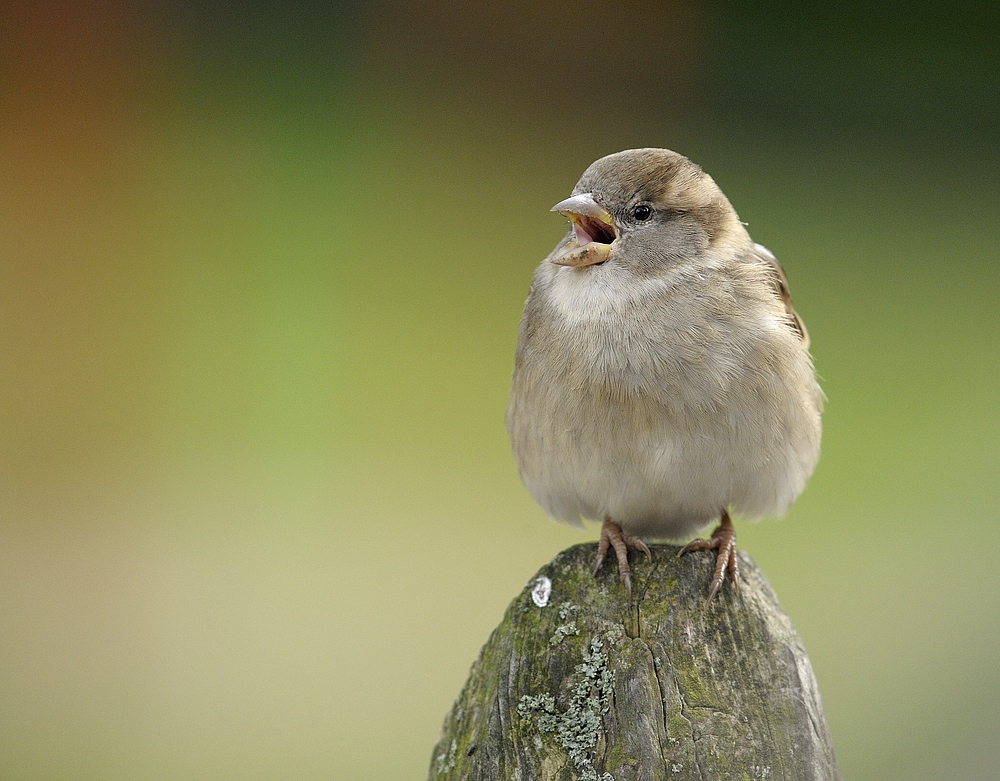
577, 684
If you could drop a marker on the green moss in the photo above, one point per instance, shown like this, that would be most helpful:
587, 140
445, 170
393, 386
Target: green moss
615, 756
446, 760
692, 686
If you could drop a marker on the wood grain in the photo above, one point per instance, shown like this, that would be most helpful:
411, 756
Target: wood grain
587, 687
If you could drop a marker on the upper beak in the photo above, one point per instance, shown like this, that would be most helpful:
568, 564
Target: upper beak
594, 232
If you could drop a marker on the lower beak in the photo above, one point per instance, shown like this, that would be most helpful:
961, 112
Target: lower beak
593, 232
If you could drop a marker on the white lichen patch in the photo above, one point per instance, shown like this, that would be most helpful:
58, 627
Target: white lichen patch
577, 728
541, 591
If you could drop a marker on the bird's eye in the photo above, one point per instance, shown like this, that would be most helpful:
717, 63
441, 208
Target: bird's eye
642, 212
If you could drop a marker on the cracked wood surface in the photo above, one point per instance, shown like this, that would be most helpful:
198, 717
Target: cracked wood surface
575, 684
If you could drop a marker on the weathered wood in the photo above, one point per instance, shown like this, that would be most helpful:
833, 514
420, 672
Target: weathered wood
580, 686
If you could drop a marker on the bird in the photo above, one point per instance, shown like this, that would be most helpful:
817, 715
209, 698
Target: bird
662, 378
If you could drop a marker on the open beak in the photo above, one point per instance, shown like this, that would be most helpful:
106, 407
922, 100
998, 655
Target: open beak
593, 232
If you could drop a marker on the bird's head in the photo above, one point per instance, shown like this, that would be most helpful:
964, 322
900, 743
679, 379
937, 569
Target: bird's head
644, 208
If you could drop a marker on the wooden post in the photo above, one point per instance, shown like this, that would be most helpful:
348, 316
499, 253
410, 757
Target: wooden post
575, 684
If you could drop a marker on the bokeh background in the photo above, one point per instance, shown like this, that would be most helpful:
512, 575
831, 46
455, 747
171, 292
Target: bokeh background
262, 269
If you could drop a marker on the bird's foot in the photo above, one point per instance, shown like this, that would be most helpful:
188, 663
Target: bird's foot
612, 535
723, 540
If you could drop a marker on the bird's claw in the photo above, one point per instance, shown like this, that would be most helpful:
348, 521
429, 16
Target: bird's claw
612, 536
723, 540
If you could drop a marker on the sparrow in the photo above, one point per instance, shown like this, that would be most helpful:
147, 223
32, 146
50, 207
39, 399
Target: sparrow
662, 378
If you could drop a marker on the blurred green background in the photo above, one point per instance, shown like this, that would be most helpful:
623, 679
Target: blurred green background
262, 269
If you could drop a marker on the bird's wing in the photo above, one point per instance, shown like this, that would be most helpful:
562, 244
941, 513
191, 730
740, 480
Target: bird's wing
781, 286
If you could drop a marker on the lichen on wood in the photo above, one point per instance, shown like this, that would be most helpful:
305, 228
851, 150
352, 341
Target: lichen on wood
576, 683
